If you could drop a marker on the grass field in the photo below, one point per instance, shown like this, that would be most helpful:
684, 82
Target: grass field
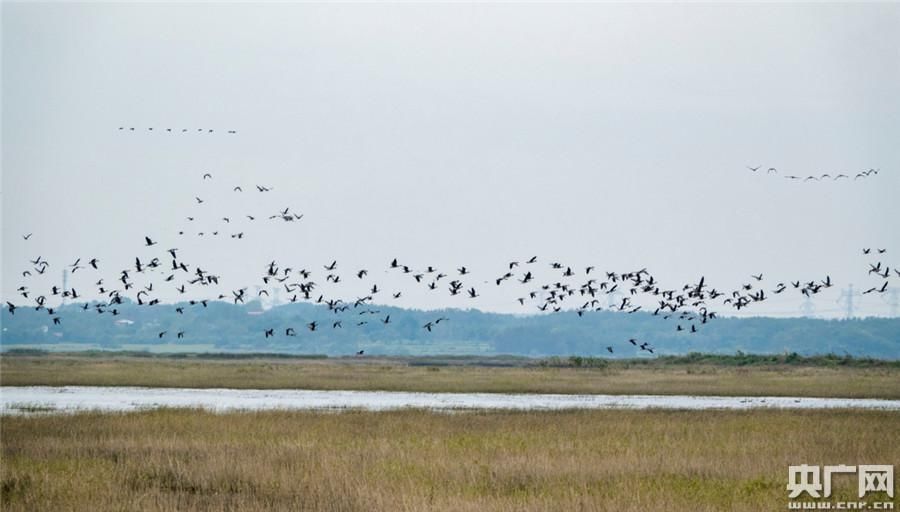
417, 460
872, 381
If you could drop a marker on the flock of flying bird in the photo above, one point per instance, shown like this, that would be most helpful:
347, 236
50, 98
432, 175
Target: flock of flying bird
285, 215
822, 177
581, 290
175, 130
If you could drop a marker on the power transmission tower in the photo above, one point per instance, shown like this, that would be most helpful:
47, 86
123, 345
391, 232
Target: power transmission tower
276, 297
808, 309
847, 298
613, 299
65, 284
894, 301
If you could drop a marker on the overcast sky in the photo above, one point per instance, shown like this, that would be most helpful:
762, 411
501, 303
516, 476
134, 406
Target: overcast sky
456, 134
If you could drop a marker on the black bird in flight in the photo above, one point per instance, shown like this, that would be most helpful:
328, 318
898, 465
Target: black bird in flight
26, 237
207, 176
148, 242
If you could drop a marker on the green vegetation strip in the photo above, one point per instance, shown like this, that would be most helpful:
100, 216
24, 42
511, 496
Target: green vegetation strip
690, 375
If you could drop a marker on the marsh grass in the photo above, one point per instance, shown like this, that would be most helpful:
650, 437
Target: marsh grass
419, 460
390, 375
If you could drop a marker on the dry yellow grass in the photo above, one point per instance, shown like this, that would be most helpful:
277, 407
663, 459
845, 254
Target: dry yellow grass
417, 460
391, 376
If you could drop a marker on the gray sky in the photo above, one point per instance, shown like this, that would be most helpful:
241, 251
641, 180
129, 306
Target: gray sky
456, 134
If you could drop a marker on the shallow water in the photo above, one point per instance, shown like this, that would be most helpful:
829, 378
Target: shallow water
44, 399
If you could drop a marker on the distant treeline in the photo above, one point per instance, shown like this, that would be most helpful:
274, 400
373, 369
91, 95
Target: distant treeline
224, 327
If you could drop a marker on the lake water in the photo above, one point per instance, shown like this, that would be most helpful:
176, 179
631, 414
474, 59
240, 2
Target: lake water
25, 399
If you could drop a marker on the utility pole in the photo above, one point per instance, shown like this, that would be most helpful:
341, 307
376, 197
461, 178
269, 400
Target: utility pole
847, 297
